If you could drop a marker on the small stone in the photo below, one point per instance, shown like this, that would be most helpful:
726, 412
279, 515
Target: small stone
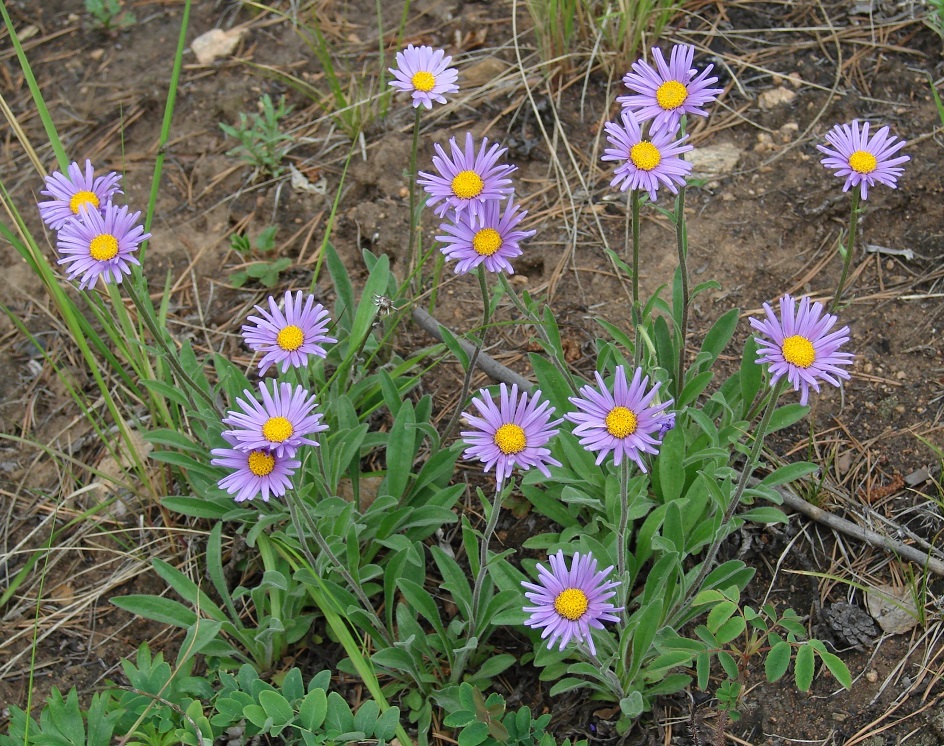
868, 368
871, 676
901, 375
714, 160
900, 409
775, 97
893, 607
96, 54
215, 43
889, 265
404, 192
764, 143
840, 716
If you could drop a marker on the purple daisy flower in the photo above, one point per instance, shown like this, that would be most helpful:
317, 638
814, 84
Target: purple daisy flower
97, 244
281, 423
290, 336
254, 472
75, 193
799, 346
625, 422
569, 602
861, 160
514, 433
665, 92
467, 181
424, 73
645, 163
488, 238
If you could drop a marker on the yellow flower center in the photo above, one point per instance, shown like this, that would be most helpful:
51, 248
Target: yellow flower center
621, 422
671, 94
277, 429
467, 184
290, 338
571, 603
645, 155
798, 351
103, 247
81, 199
261, 463
486, 241
862, 162
423, 81
510, 439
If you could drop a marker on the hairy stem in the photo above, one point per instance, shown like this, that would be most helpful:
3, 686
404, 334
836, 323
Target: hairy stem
681, 237
621, 534
474, 631
412, 251
847, 251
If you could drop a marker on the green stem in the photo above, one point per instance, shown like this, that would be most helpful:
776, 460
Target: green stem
160, 338
459, 667
414, 216
746, 473
473, 358
637, 309
621, 535
634, 221
846, 251
681, 237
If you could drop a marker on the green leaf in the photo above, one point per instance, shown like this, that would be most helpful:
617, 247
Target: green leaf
366, 310
455, 347
554, 387
720, 334
197, 507
276, 707
400, 450
803, 668
157, 609
720, 614
386, 726
671, 454
633, 705
777, 661
419, 599
751, 375
789, 473
731, 629
693, 389
765, 515
473, 735
366, 716
786, 416
837, 668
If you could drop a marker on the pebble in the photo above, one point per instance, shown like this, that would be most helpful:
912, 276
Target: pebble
871, 676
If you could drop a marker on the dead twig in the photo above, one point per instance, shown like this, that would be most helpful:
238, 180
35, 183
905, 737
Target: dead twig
863, 534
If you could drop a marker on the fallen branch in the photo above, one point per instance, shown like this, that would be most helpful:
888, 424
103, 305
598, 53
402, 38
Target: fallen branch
488, 364
862, 534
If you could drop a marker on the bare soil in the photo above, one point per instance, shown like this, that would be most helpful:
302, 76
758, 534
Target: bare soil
766, 224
